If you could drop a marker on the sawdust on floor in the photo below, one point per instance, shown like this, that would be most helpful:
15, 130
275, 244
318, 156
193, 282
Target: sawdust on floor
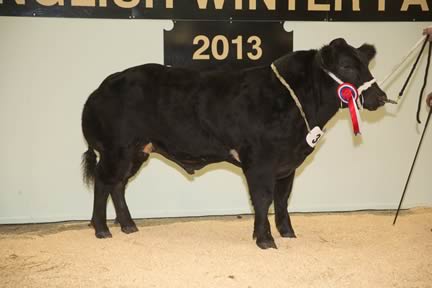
360, 249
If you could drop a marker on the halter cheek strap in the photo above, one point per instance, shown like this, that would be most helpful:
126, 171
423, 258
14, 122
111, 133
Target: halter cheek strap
360, 90
366, 85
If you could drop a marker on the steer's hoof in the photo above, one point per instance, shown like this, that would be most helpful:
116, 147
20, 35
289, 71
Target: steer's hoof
266, 244
288, 234
103, 234
129, 229
285, 230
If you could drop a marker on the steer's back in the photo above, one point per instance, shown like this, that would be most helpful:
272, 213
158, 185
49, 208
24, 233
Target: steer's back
152, 103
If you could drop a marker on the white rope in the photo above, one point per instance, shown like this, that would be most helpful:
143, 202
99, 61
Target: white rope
360, 90
333, 76
366, 86
395, 68
293, 95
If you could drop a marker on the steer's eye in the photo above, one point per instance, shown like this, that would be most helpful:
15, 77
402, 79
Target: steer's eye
348, 71
347, 67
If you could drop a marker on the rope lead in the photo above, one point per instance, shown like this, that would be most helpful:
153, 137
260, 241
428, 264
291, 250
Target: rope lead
418, 115
414, 66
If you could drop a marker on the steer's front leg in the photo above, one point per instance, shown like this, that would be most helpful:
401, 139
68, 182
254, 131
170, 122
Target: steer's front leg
259, 171
281, 194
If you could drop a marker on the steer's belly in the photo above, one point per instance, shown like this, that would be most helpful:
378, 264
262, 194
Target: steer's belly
192, 157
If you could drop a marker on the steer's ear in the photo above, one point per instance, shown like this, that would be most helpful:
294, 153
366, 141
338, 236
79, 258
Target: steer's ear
338, 42
328, 53
328, 56
368, 51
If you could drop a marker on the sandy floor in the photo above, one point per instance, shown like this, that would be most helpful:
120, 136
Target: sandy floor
332, 250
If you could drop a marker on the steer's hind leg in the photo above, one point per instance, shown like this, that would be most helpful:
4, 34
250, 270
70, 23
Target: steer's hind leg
282, 192
118, 195
258, 169
113, 172
99, 208
139, 158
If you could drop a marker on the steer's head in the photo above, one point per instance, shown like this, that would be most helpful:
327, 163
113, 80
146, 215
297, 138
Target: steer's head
350, 65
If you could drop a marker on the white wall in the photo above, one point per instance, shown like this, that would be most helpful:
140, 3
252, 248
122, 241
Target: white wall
48, 67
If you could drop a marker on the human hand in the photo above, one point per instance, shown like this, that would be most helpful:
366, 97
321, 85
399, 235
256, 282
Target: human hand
428, 31
429, 100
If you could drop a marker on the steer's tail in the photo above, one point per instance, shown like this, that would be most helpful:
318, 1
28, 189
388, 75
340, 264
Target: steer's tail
89, 166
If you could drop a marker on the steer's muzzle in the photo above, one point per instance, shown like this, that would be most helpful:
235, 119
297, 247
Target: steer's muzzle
374, 98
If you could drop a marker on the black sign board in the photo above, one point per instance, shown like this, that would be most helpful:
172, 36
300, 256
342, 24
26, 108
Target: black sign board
225, 45
249, 10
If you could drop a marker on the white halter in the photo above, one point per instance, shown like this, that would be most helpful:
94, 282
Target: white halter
360, 89
354, 104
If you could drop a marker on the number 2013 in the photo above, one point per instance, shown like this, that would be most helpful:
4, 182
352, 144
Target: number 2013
220, 41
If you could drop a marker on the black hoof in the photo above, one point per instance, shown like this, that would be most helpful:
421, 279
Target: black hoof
288, 234
129, 229
285, 230
103, 234
266, 244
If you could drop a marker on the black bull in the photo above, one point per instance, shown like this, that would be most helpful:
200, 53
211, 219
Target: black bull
246, 117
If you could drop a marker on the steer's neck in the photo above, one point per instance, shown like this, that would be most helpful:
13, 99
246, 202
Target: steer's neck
325, 93
314, 88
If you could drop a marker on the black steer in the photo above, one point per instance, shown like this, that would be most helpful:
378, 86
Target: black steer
246, 117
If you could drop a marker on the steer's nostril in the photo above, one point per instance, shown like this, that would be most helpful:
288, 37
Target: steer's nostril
382, 97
